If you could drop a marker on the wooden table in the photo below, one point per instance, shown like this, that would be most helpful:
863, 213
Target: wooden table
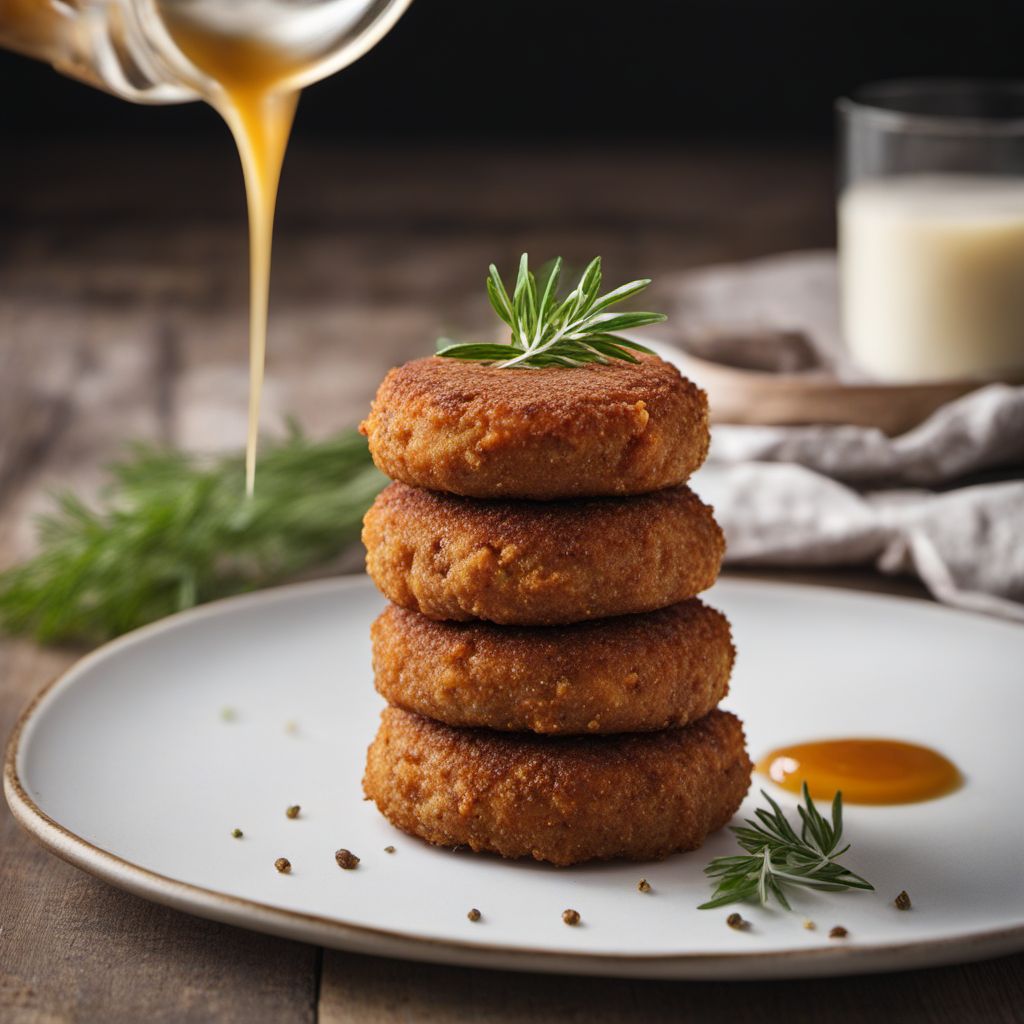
122, 290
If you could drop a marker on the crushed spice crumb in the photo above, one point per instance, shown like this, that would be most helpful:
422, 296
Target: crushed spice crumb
902, 901
839, 932
643, 885
237, 833
293, 811
346, 859
389, 849
809, 925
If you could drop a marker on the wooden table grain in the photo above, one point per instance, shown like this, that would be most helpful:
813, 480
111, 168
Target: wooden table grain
122, 316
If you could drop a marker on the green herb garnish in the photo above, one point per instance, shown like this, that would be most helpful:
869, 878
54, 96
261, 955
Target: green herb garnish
778, 857
174, 530
548, 331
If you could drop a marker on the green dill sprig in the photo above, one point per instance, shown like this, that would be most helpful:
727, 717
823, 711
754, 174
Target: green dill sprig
778, 857
174, 530
548, 331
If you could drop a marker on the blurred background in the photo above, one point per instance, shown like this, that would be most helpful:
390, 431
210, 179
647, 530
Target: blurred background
574, 71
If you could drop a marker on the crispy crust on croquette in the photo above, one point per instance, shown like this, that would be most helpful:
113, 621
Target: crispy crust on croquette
638, 796
485, 432
628, 674
540, 563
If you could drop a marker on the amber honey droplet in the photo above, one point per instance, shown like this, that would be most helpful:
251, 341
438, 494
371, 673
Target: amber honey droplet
867, 771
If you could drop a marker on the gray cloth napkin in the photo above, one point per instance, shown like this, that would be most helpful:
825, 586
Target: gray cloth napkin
842, 495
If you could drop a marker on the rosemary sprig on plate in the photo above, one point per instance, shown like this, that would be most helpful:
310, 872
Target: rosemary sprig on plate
777, 857
173, 530
548, 331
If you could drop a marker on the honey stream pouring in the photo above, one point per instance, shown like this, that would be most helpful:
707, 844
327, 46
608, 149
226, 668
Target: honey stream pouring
249, 59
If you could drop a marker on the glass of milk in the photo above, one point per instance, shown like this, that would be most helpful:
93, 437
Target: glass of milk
931, 230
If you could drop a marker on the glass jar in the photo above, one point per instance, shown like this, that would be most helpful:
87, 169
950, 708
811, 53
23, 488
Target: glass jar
126, 47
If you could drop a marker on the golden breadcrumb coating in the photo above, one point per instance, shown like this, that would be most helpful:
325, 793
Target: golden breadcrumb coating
540, 563
485, 432
628, 674
639, 796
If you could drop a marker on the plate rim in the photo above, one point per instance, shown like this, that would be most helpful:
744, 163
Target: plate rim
338, 934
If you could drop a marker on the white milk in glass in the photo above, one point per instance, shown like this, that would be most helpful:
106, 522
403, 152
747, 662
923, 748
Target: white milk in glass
932, 275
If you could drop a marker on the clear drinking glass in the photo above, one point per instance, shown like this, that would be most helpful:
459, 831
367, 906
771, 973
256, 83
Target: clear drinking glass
931, 230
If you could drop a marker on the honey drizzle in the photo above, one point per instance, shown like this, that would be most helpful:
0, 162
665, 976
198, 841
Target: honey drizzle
254, 98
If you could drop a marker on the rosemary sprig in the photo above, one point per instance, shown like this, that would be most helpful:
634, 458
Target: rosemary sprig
173, 530
778, 857
548, 331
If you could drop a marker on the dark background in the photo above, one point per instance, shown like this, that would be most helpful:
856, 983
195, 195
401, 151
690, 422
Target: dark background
542, 69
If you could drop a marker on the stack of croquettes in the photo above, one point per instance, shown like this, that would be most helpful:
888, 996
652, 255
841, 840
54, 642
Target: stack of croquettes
553, 680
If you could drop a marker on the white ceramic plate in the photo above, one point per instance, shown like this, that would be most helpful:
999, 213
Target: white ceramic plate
126, 768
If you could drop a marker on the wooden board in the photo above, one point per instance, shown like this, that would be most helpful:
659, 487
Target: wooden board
777, 399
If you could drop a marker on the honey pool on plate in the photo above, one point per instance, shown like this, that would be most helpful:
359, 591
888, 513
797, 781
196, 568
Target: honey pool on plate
866, 771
